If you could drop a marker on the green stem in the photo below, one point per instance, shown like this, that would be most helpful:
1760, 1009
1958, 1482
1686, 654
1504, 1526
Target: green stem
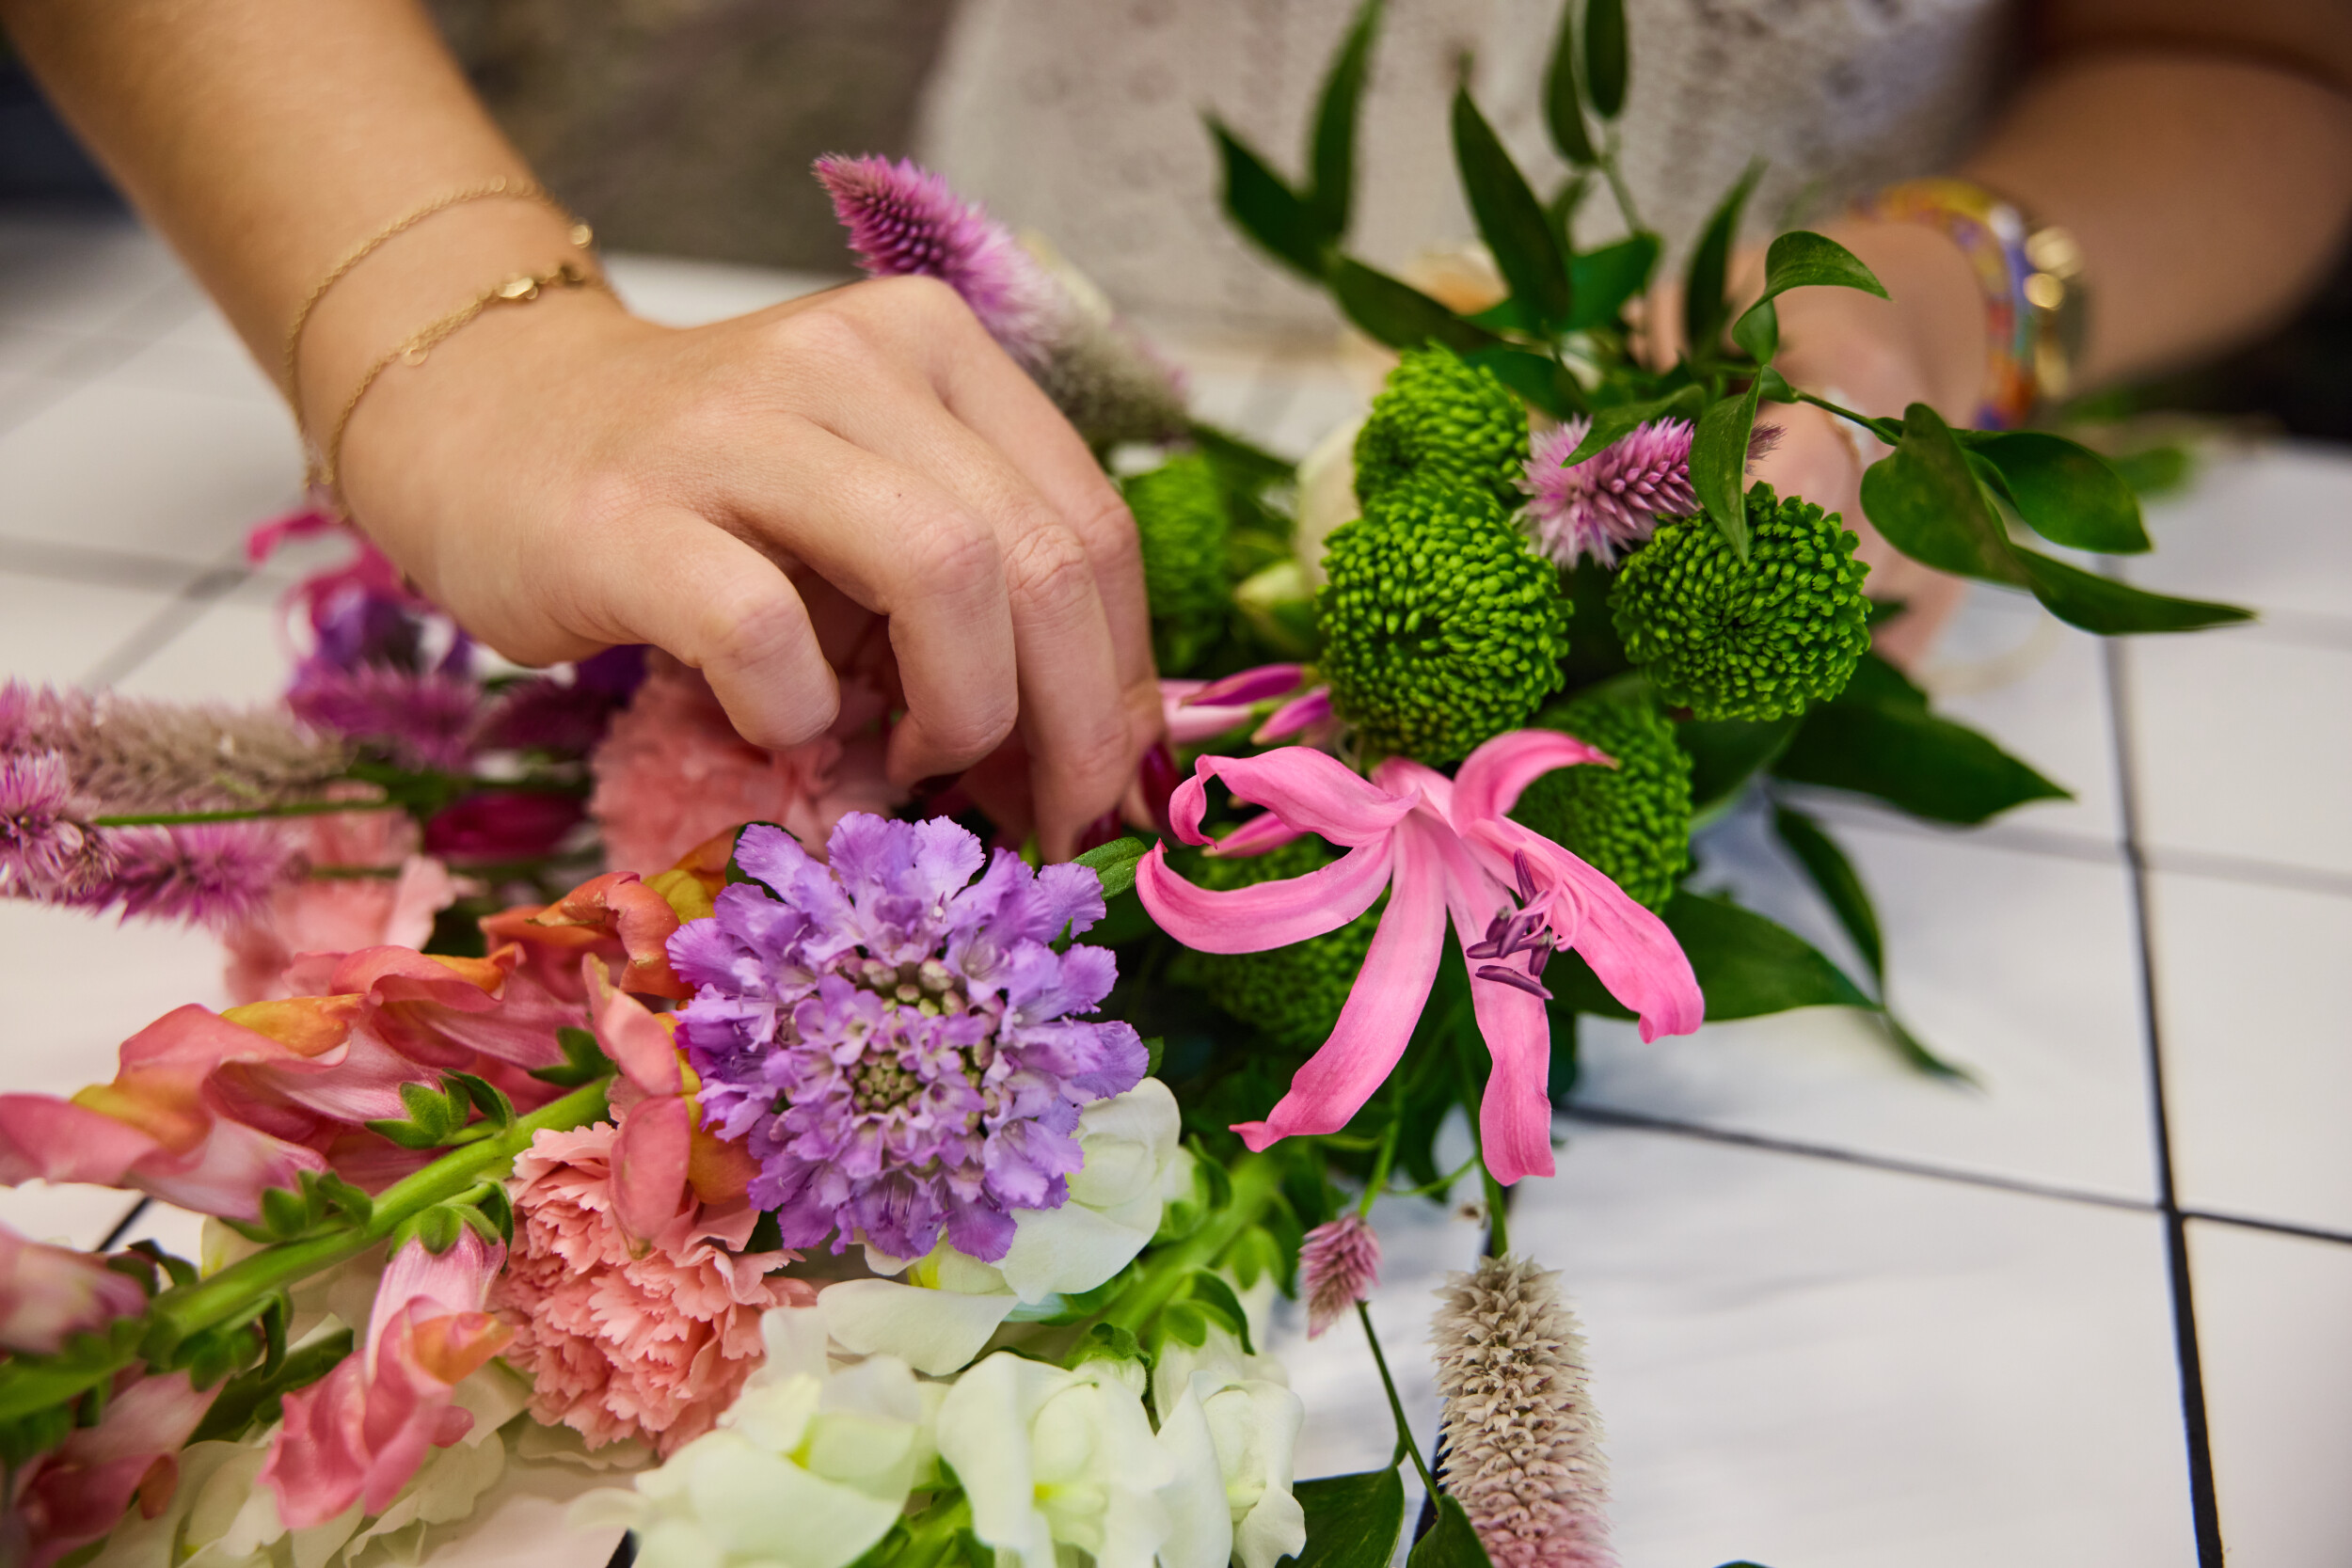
1878, 427
1396, 1404
240, 813
931, 1534
1373, 1188
1618, 189
1255, 1181
190, 1308
1498, 1211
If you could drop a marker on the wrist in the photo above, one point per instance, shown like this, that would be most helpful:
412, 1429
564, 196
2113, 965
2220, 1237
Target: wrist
1925, 343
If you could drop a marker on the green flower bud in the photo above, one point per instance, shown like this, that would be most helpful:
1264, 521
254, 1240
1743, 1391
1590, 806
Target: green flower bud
1294, 993
1181, 524
1441, 419
1759, 639
1632, 822
1441, 626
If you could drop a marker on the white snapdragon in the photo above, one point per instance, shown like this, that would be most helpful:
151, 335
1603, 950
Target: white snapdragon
1232, 1423
808, 1468
946, 1307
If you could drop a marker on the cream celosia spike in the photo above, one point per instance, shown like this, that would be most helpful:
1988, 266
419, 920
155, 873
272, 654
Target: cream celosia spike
128, 754
1522, 1440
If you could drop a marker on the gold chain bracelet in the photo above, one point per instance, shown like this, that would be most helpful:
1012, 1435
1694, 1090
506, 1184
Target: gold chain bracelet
517, 189
521, 289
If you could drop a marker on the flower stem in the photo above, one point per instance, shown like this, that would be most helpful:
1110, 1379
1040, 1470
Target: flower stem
1255, 1180
1380, 1165
1883, 429
1618, 190
237, 813
931, 1534
1396, 1403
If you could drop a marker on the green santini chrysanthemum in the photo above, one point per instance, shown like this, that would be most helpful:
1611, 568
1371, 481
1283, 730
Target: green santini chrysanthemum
1441, 419
1294, 993
1181, 523
1441, 627
1759, 639
1631, 821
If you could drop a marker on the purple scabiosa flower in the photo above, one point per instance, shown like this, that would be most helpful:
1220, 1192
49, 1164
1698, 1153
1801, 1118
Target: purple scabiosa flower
211, 874
903, 220
45, 848
892, 1039
1611, 501
1521, 1439
1339, 1264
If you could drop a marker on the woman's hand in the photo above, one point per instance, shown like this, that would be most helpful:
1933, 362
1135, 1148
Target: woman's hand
755, 497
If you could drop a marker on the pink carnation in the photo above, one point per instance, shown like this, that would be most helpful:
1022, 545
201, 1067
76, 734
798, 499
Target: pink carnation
340, 914
672, 772
619, 1346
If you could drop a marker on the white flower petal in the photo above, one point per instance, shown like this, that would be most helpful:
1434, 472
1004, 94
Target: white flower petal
1201, 1521
935, 1332
1069, 1249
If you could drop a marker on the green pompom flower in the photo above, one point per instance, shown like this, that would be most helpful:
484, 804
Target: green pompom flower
1441, 419
1181, 523
1441, 626
1759, 639
1631, 821
1293, 994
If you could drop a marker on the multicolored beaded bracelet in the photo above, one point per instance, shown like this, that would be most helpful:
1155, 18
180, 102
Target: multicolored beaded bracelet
2032, 283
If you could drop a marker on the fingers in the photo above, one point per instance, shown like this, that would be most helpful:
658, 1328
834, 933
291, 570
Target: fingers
668, 577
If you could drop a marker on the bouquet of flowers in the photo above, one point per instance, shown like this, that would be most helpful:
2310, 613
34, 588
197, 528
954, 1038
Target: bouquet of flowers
616, 1114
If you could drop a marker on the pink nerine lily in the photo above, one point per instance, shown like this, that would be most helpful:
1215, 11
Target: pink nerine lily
1439, 846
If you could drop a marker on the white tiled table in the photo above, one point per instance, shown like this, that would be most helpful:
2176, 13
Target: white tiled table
1839, 1314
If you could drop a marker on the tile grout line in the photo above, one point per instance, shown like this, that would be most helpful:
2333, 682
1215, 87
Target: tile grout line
182, 611
2204, 1501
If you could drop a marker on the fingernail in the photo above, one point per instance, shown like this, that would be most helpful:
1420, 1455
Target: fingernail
924, 790
1156, 773
1100, 831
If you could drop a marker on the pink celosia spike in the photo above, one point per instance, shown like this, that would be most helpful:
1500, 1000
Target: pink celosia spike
1339, 1264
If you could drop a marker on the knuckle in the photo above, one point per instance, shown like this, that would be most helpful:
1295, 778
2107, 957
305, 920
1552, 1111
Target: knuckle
958, 554
1049, 566
830, 339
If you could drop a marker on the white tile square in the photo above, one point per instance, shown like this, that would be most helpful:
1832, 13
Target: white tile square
79, 274
2243, 747
2270, 529
2253, 998
2271, 1311
55, 631
1803, 1362
2020, 967
139, 467
92, 984
68, 1214
230, 652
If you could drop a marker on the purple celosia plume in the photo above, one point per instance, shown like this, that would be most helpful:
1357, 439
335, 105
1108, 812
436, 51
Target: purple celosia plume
903, 220
892, 1039
47, 847
424, 719
211, 874
1339, 1264
1610, 502
1520, 1435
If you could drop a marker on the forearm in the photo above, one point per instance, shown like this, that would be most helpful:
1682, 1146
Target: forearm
267, 137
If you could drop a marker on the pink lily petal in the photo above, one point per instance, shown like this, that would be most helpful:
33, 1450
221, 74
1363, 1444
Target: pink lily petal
1377, 1022
1491, 778
1271, 914
1250, 687
650, 1159
1263, 832
1515, 1115
1187, 724
49, 1292
1308, 790
1300, 713
358, 1434
1629, 949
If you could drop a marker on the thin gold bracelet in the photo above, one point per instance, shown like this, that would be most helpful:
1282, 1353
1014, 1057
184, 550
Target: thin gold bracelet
521, 289
520, 190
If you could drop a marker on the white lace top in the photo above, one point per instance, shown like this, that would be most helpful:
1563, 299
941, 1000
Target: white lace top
1081, 118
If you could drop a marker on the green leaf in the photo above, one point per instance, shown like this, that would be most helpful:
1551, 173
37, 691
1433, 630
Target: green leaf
2113, 608
1212, 1291
1114, 863
1331, 149
1394, 313
1704, 307
1352, 1521
1564, 115
2067, 493
1834, 878
1605, 64
1510, 219
1727, 752
1239, 463
1758, 331
1561, 210
1719, 465
1602, 280
1451, 1543
1801, 259
1540, 381
1268, 210
1746, 965
1612, 425
1878, 738
584, 1060
1927, 501
487, 1097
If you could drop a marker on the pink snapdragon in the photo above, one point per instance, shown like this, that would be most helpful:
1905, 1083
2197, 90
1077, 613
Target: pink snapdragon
358, 1434
1439, 847
49, 1293
62, 1500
